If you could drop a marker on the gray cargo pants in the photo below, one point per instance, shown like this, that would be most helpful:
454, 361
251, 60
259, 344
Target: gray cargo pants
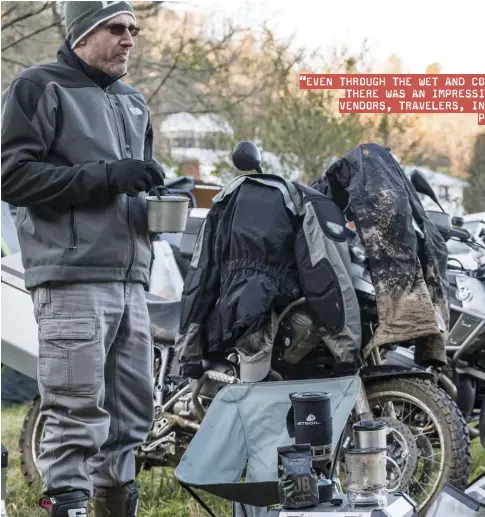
95, 381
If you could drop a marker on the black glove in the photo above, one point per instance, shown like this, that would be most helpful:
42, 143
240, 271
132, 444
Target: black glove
130, 176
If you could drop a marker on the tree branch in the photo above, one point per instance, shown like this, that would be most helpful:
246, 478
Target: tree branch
213, 109
150, 5
24, 16
8, 60
174, 64
16, 42
10, 11
58, 19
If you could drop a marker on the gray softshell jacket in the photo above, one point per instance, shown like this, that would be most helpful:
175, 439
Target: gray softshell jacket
62, 123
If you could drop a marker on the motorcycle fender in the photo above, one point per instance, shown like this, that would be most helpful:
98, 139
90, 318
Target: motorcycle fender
393, 370
369, 373
402, 356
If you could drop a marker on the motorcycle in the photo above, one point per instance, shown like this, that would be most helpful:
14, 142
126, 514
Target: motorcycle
464, 376
428, 437
466, 346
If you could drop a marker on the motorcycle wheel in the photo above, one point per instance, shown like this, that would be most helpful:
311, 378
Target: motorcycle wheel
436, 424
17, 388
29, 444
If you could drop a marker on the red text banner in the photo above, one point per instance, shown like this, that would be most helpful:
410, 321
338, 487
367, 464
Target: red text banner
403, 93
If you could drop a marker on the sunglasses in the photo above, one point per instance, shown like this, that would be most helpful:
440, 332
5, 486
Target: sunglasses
118, 29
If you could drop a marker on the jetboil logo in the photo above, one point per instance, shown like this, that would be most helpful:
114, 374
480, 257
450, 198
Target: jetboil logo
310, 420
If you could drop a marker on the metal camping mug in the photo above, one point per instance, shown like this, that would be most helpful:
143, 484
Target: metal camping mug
167, 213
370, 434
366, 470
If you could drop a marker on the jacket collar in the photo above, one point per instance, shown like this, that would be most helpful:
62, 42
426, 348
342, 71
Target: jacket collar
67, 56
291, 194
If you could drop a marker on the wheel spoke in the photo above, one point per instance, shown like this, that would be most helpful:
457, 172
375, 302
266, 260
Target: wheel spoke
420, 485
411, 411
424, 433
427, 458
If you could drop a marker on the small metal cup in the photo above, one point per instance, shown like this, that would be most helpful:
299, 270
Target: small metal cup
370, 434
167, 214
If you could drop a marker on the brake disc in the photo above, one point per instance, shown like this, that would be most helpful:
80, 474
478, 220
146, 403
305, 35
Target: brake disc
402, 448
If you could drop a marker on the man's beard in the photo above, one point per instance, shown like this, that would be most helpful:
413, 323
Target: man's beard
109, 66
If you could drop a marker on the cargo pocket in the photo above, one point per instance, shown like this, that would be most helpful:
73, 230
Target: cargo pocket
70, 355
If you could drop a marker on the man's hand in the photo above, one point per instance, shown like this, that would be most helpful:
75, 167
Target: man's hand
131, 177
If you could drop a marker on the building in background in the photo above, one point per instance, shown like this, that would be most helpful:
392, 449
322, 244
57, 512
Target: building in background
202, 145
197, 143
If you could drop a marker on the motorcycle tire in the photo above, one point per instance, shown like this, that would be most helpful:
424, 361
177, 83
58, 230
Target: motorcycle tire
455, 434
32, 421
17, 388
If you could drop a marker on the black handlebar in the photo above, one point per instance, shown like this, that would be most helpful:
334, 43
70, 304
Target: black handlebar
462, 235
459, 233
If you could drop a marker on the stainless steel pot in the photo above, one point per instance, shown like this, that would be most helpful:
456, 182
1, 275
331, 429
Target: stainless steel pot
369, 434
167, 214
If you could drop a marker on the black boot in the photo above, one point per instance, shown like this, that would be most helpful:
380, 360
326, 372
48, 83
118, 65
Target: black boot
116, 502
68, 504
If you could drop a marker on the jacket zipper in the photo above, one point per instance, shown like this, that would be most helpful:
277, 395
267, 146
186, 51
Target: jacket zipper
114, 104
113, 109
132, 240
127, 143
73, 244
132, 243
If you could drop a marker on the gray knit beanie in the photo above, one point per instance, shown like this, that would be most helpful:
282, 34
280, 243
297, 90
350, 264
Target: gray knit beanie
83, 17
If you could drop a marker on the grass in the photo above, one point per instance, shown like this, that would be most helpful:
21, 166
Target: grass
160, 494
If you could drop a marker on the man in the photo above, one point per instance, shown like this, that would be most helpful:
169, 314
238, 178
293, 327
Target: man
76, 160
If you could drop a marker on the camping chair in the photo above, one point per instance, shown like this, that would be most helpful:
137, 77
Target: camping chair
241, 431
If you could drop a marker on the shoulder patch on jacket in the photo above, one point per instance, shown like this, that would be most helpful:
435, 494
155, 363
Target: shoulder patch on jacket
329, 215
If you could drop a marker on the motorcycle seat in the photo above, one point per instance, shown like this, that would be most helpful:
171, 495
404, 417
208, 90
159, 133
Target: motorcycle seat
164, 318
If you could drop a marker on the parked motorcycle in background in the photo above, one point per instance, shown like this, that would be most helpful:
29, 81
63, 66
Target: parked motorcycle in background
460, 252
428, 438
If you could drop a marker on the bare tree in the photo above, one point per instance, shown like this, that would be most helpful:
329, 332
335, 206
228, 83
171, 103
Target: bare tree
33, 31
304, 127
30, 35
179, 62
474, 194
